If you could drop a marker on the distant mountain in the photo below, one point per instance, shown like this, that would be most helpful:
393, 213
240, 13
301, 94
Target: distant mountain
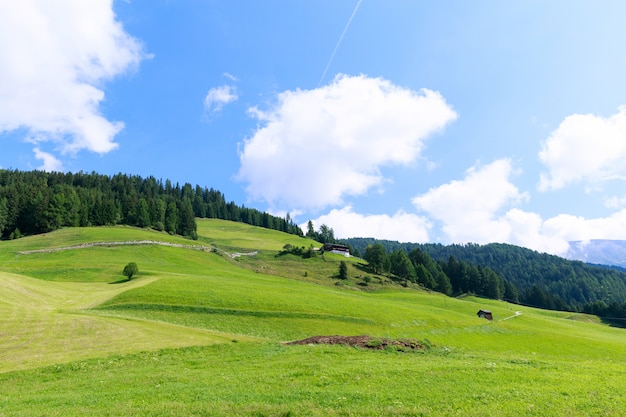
603, 252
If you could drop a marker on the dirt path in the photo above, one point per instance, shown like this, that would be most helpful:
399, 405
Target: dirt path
517, 313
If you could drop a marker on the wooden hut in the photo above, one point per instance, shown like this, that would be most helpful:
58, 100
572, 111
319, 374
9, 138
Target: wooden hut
485, 314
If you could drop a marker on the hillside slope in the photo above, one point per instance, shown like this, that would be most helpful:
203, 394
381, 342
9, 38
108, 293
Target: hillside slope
200, 332
544, 280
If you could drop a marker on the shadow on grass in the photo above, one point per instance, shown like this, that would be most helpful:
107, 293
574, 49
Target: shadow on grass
614, 322
363, 268
235, 312
120, 281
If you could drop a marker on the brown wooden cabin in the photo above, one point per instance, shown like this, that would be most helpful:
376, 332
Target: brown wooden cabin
485, 314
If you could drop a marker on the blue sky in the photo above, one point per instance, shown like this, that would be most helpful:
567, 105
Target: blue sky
473, 121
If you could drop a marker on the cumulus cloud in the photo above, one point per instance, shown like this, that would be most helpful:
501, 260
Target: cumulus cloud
313, 147
469, 208
54, 56
482, 208
587, 148
402, 226
572, 228
531, 231
50, 163
217, 97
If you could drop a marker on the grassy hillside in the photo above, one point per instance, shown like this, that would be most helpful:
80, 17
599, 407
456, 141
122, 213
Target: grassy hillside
227, 234
199, 332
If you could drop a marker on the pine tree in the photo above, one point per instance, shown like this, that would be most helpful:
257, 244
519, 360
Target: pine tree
310, 231
142, 215
171, 217
343, 270
4, 213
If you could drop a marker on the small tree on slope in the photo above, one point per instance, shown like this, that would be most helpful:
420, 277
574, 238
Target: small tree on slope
343, 270
130, 270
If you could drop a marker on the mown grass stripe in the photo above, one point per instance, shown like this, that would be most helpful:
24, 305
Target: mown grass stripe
236, 312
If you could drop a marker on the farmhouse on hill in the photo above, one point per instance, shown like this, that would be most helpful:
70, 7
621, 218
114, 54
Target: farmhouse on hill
335, 248
485, 314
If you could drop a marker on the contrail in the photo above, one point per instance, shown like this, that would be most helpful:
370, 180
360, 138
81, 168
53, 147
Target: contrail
356, 8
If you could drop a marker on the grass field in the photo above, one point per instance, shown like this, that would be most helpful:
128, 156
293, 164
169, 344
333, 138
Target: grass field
200, 333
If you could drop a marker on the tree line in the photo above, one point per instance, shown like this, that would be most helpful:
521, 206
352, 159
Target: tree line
538, 279
548, 281
33, 202
451, 277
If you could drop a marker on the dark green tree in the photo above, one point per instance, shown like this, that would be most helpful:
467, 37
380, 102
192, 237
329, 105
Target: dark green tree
171, 217
376, 255
495, 287
443, 283
4, 214
326, 234
310, 231
424, 277
511, 293
343, 270
158, 214
142, 215
130, 270
186, 220
401, 265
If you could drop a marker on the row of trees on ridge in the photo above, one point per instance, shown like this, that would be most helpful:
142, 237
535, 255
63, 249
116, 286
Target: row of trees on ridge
451, 277
33, 202
529, 277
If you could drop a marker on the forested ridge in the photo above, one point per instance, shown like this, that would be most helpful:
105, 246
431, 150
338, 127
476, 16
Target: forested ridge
451, 278
540, 279
33, 202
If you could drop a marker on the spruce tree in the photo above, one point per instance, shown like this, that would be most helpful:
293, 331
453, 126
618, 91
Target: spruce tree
343, 270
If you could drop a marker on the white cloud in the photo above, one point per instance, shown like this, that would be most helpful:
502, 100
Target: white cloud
402, 226
529, 230
316, 146
481, 208
50, 163
585, 148
468, 209
217, 97
572, 228
615, 202
53, 57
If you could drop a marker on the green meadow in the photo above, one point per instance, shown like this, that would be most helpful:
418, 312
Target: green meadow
200, 332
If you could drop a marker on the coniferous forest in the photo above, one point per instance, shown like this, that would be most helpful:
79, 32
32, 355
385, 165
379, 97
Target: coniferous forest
520, 275
34, 202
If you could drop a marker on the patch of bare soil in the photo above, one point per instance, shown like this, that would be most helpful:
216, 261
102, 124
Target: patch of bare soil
365, 342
